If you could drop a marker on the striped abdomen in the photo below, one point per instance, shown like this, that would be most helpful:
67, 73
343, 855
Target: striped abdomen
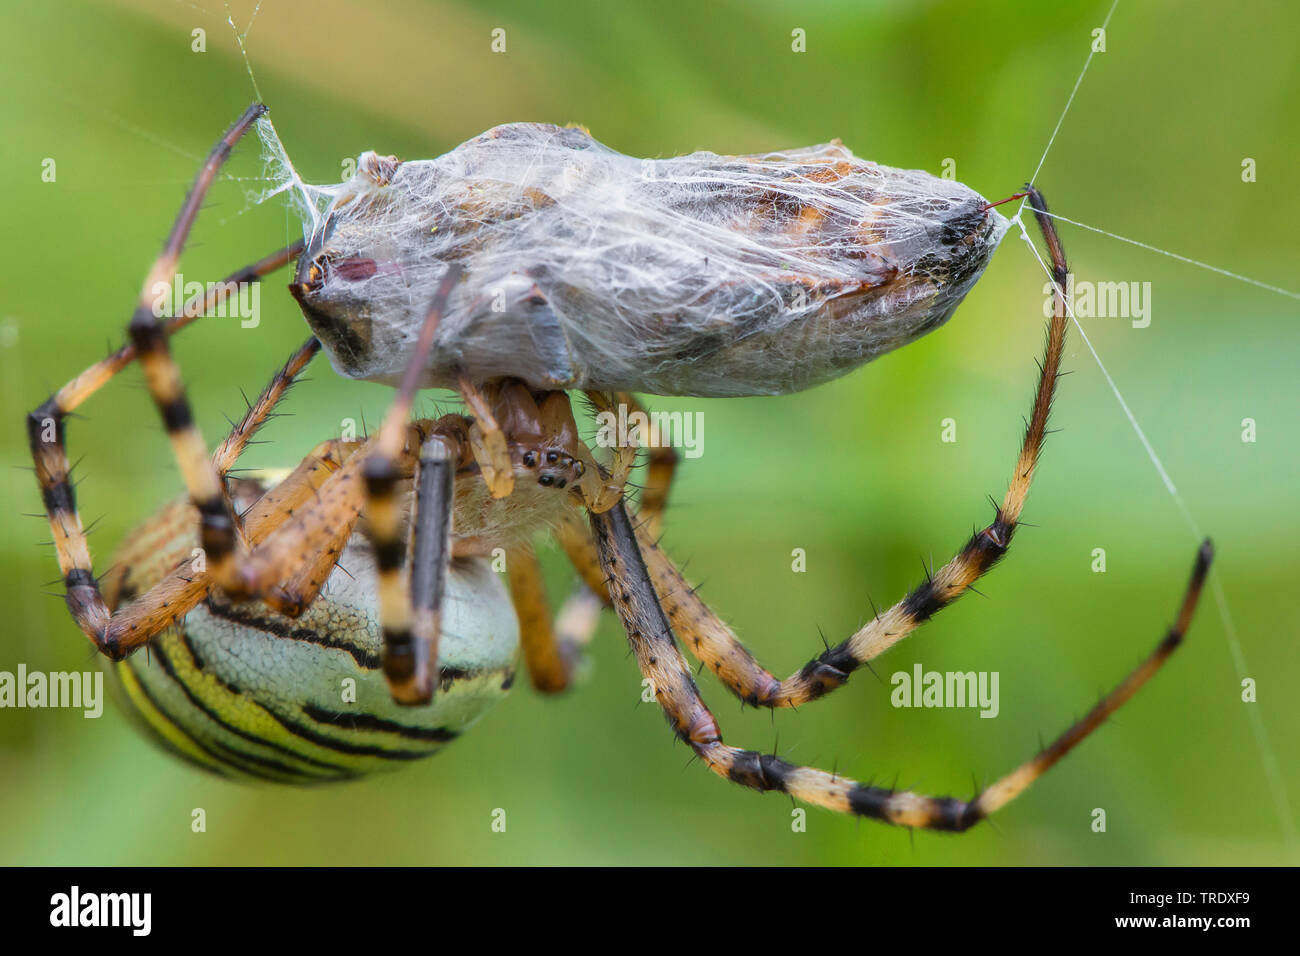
249, 693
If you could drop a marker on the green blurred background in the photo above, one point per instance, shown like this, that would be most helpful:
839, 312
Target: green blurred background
854, 472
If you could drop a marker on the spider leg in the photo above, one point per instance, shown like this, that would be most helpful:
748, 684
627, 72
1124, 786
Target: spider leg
601, 488
48, 443
549, 652
299, 498
296, 530
409, 604
575, 537
487, 441
661, 469
313, 512
542, 435
294, 539
431, 550
661, 662
71, 395
710, 639
577, 620
219, 531
127, 628
579, 616
552, 647
543, 443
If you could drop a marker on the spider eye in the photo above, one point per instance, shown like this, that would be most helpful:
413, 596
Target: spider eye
530, 458
546, 480
552, 456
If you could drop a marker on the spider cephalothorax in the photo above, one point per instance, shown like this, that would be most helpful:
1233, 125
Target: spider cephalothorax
433, 497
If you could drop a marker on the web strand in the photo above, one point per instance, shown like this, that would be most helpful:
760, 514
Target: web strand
1262, 742
1070, 102
1181, 258
241, 37
1271, 769
1259, 729
1128, 412
280, 175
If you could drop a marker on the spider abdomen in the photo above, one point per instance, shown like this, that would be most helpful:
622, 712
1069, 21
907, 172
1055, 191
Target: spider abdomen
246, 692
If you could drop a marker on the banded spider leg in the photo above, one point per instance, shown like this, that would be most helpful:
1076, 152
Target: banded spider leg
653, 599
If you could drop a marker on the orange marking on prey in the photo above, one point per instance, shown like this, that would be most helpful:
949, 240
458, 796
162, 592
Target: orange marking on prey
809, 218
833, 172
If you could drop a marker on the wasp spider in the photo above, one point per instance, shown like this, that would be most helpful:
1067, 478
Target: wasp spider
261, 599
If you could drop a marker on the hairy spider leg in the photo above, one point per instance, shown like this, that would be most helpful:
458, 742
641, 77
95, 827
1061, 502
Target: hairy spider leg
648, 592
662, 664
131, 626
410, 601
713, 642
46, 429
219, 531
